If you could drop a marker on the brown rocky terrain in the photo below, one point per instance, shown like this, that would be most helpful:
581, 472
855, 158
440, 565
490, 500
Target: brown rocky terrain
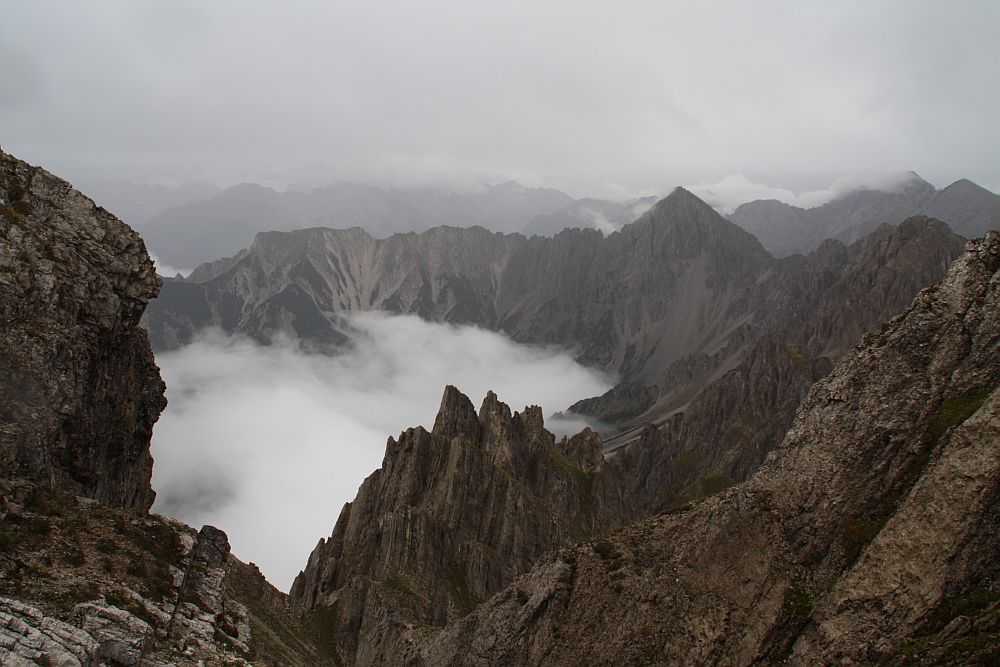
452, 516
868, 536
81, 391
87, 577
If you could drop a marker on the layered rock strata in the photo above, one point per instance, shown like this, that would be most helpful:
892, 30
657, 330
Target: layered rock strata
81, 391
662, 288
450, 518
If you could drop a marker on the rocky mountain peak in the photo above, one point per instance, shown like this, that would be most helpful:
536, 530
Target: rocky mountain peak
451, 517
681, 204
456, 417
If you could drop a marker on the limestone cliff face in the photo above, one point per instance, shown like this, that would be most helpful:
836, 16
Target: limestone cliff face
449, 519
868, 536
81, 391
660, 289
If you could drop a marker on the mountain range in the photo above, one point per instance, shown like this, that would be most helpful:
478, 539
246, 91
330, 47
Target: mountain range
793, 490
192, 223
784, 229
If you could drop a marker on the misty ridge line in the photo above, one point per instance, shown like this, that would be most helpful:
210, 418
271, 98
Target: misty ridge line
185, 234
254, 433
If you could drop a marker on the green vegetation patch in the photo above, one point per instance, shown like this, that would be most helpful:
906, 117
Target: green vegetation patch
800, 362
714, 482
797, 603
970, 604
7, 541
461, 592
954, 411
858, 532
606, 550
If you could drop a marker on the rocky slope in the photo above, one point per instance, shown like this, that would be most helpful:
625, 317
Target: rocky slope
82, 583
785, 229
728, 410
869, 535
81, 391
87, 577
449, 519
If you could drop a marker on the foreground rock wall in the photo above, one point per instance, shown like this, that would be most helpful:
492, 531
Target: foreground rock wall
80, 389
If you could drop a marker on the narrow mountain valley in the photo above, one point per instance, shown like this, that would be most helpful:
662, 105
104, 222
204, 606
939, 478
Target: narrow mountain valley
807, 471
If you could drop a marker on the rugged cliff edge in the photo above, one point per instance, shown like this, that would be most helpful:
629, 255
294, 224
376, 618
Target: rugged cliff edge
869, 535
81, 391
449, 519
87, 577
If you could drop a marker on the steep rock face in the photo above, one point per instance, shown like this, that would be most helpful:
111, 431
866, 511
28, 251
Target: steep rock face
868, 536
660, 289
812, 310
451, 517
81, 391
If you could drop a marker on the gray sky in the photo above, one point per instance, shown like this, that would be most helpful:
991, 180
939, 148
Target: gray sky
594, 98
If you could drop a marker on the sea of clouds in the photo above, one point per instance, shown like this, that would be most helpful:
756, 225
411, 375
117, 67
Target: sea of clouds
268, 442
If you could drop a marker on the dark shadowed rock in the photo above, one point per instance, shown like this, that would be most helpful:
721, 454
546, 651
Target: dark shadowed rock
80, 389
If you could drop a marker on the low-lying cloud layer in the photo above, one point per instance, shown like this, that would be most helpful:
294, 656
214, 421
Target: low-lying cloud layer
268, 443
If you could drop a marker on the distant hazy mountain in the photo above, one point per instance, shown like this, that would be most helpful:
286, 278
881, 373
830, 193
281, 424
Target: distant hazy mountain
970, 209
637, 300
197, 232
589, 213
137, 203
785, 229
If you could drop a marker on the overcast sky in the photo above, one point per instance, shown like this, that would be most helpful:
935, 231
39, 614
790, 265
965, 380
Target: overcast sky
593, 98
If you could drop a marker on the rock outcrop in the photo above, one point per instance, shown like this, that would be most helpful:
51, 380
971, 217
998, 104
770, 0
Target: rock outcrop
82, 583
87, 577
868, 536
450, 518
80, 389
